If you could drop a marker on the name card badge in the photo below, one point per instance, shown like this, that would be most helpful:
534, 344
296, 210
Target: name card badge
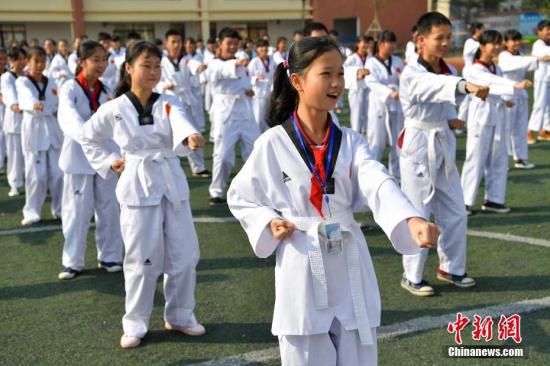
333, 233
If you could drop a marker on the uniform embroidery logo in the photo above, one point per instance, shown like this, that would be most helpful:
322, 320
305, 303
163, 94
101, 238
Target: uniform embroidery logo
118, 117
54, 92
286, 178
147, 262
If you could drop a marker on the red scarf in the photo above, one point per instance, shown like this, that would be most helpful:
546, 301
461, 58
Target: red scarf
316, 192
92, 96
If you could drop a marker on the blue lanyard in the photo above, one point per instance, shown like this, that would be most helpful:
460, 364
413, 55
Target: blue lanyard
323, 183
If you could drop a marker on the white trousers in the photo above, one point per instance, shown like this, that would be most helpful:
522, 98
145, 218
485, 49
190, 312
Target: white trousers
228, 134
84, 195
447, 206
259, 106
359, 109
339, 347
196, 160
540, 116
41, 170
158, 240
2, 147
518, 119
16, 161
486, 157
377, 137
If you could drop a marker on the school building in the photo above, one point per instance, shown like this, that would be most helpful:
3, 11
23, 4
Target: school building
28, 19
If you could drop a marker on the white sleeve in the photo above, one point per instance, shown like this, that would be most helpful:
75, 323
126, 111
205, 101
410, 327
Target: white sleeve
9, 94
497, 84
389, 205
25, 96
350, 78
426, 87
249, 203
69, 119
509, 62
223, 70
95, 132
380, 91
182, 128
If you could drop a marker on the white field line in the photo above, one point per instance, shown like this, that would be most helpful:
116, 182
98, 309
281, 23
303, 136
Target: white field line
223, 220
398, 329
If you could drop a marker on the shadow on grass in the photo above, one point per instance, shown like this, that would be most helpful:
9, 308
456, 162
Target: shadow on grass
240, 262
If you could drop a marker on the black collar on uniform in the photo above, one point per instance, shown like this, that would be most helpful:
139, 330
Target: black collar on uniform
383, 62
145, 115
41, 92
289, 128
175, 64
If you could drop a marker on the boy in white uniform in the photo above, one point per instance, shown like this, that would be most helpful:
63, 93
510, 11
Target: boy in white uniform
12, 120
59, 69
540, 116
41, 138
177, 80
231, 112
112, 72
429, 92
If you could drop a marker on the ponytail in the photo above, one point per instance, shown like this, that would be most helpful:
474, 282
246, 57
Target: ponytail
284, 98
124, 82
488, 36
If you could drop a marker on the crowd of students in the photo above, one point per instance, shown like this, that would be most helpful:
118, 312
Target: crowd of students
103, 128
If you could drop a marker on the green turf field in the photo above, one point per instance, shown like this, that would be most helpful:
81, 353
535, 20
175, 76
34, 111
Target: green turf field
44, 321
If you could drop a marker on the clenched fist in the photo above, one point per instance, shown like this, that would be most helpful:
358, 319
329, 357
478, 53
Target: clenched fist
281, 229
424, 233
194, 142
118, 165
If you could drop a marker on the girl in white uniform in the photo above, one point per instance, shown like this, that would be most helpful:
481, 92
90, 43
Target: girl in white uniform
84, 191
3, 70
157, 227
514, 65
470, 47
355, 72
296, 196
261, 69
486, 154
385, 113
41, 138
112, 71
12, 120
280, 53
540, 116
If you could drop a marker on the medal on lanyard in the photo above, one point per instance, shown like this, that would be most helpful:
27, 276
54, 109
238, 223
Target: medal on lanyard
331, 231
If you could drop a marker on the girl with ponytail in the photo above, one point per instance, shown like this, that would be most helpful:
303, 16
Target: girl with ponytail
486, 146
151, 130
296, 195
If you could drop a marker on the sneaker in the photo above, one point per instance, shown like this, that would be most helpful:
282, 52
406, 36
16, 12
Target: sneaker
29, 222
204, 174
14, 192
56, 216
127, 341
544, 135
110, 266
67, 274
469, 211
523, 164
195, 331
489, 206
461, 281
213, 201
422, 288
459, 131
531, 140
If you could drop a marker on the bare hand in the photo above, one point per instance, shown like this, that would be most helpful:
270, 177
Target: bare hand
15, 108
523, 84
456, 124
249, 93
194, 142
362, 73
281, 229
242, 62
169, 87
424, 233
118, 166
261, 77
394, 95
482, 92
39, 106
201, 68
545, 58
509, 103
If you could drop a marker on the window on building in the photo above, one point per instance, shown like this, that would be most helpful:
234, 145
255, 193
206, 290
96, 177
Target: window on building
253, 30
347, 29
147, 31
11, 32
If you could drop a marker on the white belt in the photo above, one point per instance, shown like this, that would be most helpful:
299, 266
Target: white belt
439, 131
310, 225
160, 157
